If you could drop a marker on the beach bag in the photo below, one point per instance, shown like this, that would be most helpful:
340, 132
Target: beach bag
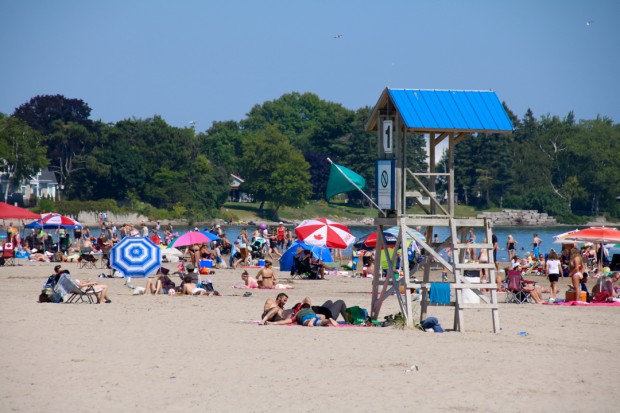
355, 315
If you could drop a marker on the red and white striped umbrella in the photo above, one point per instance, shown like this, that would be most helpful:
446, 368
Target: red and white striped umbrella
53, 219
324, 232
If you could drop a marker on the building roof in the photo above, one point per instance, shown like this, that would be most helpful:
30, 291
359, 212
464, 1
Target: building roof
444, 110
47, 176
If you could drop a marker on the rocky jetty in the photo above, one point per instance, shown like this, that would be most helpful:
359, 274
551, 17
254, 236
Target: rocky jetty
518, 217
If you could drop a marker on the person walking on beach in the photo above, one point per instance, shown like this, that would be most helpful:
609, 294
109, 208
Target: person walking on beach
552, 271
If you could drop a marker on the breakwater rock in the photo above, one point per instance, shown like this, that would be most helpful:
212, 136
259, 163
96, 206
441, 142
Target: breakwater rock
519, 217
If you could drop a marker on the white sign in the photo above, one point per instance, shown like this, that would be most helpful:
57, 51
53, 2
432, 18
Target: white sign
385, 183
388, 136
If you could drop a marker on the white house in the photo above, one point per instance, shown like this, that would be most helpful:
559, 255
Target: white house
43, 184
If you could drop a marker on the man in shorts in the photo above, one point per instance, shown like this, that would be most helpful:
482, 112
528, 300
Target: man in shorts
273, 311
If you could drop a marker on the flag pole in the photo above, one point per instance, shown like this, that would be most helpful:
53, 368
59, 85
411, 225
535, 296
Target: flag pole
358, 188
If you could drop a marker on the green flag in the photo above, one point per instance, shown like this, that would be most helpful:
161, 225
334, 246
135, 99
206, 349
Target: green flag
343, 179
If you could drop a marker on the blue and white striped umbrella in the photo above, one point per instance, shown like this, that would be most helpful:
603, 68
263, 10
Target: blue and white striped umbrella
135, 257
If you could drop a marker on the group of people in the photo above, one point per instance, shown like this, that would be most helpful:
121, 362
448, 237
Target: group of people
303, 313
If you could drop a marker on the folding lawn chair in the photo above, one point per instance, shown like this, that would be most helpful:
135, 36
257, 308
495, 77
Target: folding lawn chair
87, 259
8, 253
514, 291
66, 285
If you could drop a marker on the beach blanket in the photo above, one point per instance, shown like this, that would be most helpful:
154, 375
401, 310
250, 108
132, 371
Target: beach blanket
340, 324
582, 304
276, 287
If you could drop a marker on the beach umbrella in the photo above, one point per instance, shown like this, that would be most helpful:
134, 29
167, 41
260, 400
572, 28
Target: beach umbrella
210, 235
52, 220
318, 253
390, 234
171, 251
324, 232
190, 238
370, 240
8, 211
600, 235
135, 257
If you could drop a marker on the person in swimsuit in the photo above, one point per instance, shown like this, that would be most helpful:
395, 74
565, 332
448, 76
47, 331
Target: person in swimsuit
536, 243
308, 318
249, 282
511, 246
266, 277
576, 268
273, 311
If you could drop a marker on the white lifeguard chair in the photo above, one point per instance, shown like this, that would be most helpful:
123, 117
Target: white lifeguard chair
439, 115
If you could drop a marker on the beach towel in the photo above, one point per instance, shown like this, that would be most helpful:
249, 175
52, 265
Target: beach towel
582, 304
440, 293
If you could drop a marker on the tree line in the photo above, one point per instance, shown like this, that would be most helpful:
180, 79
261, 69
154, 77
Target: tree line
560, 166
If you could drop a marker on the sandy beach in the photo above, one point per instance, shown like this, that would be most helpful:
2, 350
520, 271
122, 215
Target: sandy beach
170, 354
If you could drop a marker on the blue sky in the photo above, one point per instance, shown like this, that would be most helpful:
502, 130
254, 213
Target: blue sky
212, 61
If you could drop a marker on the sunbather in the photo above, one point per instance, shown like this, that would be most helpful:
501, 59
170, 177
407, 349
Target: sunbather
273, 311
308, 318
249, 282
100, 289
266, 277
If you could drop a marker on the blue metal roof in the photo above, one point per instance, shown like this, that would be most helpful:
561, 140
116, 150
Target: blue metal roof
447, 110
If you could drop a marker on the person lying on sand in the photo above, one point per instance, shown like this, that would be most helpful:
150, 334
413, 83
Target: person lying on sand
308, 318
329, 309
248, 282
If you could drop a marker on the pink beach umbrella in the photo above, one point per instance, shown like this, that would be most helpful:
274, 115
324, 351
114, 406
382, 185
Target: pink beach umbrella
190, 238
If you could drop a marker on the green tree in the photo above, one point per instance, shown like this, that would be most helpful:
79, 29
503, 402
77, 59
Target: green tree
22, 154
42, 111
268, 158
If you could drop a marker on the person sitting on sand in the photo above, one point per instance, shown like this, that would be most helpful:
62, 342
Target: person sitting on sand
266, 277
308, 318
273, 311
604, 291
191, 288
162, 285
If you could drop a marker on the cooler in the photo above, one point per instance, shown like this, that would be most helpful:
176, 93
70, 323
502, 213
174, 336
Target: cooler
570, 296
206, 263
261, 263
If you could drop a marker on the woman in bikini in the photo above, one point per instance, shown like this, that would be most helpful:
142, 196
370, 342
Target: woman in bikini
576, 268
266, 277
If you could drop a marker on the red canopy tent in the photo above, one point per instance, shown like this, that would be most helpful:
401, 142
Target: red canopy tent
8, 211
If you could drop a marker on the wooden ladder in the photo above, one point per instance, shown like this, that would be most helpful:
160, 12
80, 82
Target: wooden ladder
458, 229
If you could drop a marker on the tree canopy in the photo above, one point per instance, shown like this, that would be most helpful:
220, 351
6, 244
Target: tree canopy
565, 167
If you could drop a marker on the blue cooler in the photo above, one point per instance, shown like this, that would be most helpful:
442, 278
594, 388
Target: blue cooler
261, 263
206, 263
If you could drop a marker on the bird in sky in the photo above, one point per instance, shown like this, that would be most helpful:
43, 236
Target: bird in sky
589, 22
338, 36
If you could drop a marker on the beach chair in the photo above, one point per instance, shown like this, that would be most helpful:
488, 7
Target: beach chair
8, 253
66, 286
514, 290
87, 259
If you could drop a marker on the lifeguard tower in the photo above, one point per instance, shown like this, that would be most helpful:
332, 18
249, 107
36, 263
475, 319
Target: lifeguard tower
439, 115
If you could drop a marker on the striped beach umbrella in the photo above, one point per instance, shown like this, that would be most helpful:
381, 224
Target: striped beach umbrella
324, 232
135, 257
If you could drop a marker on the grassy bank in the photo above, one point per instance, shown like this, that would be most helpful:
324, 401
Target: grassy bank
250, 212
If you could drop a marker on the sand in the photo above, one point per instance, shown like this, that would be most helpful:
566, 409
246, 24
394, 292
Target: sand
171, 354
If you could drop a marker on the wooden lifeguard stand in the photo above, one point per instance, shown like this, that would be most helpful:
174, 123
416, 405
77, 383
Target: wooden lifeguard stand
440, 115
